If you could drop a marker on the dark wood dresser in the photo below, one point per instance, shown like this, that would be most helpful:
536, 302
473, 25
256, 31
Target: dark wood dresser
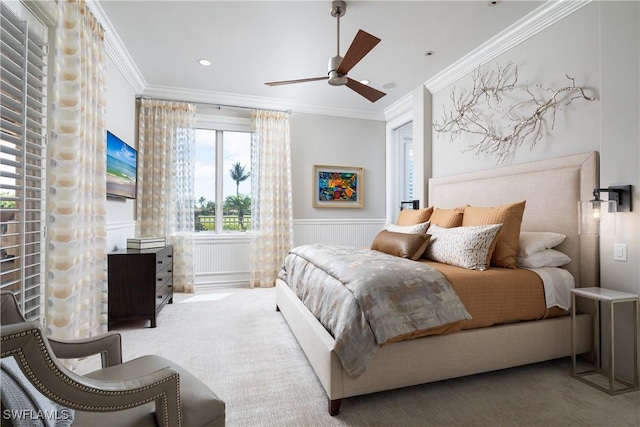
140, 283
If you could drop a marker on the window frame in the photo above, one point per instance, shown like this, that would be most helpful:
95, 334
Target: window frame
30, 158
221, 124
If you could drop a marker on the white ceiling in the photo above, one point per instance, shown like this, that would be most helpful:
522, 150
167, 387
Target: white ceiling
252, 42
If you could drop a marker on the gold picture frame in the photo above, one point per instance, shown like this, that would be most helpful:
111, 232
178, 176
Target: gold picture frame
337, 187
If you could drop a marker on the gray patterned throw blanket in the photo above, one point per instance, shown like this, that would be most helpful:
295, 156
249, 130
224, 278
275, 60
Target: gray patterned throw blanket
365, 298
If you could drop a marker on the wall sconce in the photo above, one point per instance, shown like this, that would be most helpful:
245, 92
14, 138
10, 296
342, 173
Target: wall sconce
413, 204
590, 212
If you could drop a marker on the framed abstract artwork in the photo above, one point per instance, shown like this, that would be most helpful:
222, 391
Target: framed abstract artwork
337, 187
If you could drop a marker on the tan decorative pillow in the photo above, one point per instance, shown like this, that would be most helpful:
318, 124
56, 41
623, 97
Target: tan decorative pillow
408, 229
414, 216
402, 245
510, 216
447, 218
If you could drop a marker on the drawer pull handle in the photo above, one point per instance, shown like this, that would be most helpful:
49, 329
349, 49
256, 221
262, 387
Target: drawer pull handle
159, 296
161, 262
159, 279
169, 286
169, 256
169, 271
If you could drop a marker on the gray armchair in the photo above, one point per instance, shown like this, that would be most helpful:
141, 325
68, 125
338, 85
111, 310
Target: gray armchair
146, 391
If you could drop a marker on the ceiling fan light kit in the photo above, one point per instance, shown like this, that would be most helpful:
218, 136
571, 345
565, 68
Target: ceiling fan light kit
340, 66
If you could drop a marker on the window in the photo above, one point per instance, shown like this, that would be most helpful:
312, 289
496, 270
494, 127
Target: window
23, 77
404, 147
222, 180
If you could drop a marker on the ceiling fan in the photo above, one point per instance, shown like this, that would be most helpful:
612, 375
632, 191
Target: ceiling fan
339, 66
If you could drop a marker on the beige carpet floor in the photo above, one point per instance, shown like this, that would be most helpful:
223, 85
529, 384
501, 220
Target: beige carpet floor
235, 341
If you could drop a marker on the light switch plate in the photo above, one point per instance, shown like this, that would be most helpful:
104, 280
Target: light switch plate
619, 252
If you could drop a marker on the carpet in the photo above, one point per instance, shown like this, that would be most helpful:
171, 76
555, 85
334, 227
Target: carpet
240, 346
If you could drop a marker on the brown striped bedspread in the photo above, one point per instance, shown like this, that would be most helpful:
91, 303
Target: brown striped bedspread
497, 295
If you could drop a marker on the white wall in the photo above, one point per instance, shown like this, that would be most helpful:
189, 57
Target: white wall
337, 141
599, 45
121, 120
569, 47
619, 147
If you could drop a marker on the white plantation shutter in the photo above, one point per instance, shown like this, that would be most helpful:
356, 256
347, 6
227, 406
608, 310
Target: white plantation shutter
23, 77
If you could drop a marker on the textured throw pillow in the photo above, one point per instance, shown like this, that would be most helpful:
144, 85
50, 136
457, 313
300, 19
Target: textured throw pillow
536, 241
544, 258
468, 247
510, 216
447, 218
408, 229
402, 245
414, 216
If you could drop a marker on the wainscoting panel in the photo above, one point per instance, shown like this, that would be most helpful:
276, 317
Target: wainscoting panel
221, 260
224, 260
347, 232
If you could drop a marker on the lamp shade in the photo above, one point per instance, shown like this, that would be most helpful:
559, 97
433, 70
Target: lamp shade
596, 216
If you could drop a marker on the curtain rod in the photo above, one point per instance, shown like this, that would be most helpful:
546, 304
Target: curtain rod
212, 104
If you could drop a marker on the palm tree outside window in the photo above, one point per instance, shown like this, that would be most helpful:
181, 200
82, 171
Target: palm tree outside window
222, 181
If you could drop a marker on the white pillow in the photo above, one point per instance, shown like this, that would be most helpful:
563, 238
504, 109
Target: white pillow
408, 229
535, 241
544, 258
466, 247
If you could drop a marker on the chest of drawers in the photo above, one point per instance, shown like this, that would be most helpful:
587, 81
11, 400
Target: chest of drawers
140, 283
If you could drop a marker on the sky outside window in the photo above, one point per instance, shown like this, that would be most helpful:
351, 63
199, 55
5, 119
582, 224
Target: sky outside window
236, 149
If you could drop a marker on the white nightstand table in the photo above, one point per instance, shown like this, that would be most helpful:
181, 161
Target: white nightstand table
612, 298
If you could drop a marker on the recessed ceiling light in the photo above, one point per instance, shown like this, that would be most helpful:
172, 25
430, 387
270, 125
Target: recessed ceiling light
429, 53
365, 82
204, 62
388, 85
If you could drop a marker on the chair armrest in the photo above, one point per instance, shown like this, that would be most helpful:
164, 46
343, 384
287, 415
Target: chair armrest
26, 342
108, 345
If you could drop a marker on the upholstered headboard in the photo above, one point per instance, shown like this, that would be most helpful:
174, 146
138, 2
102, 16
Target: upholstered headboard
551, 188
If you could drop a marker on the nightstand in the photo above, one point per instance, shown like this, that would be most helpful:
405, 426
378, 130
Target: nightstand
612, 298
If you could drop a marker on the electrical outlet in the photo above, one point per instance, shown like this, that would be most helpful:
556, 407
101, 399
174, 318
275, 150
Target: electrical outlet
619, 252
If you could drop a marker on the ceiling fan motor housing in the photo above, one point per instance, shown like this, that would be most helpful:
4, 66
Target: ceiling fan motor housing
338, 8
335, 78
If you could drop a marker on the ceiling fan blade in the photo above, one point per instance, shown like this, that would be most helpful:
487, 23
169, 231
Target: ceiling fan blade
360, 46
367, 91
288, 82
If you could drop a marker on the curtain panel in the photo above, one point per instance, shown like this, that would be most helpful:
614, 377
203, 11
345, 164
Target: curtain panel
76, 258
165, 197
271, 206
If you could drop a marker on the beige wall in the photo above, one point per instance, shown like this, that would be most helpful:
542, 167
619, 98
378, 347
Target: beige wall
121, 121
599, 45
337, 141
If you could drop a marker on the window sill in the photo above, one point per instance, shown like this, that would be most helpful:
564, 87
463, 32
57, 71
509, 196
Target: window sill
207, 236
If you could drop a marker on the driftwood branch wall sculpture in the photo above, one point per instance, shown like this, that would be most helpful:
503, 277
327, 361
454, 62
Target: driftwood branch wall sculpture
501, 129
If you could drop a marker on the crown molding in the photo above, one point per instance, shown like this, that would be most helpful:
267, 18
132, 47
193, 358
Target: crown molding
248, 101
400, 107
117, 51
46, 12
528, 26
536, 21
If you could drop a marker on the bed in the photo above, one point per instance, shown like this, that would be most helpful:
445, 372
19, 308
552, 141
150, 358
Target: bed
551, 189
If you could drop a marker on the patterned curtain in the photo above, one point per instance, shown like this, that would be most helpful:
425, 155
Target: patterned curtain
76, 285
271, 206
165, 202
